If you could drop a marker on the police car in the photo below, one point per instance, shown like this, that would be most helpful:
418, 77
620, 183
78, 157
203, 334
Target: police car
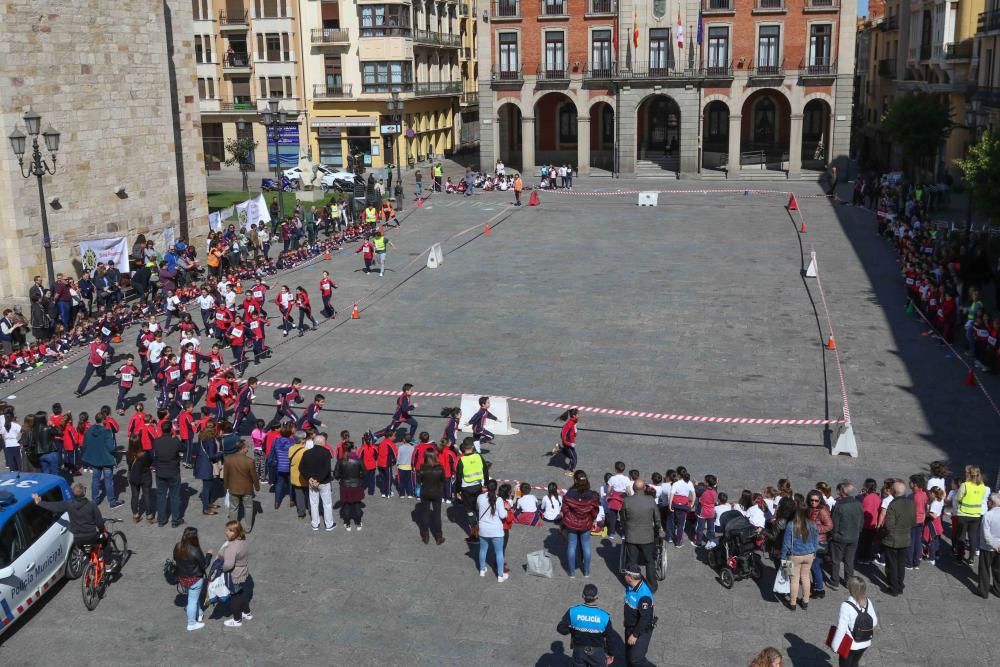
34, 542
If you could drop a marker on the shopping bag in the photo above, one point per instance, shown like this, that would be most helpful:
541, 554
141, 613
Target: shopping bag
539, 564
781, 584
217, 590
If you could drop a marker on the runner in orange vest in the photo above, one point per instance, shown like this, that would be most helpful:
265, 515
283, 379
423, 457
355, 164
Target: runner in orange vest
518, 187
388, 213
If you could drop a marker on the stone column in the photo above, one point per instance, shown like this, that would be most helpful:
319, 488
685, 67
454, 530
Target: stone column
735, 130
583, 145
795, 146
528, 146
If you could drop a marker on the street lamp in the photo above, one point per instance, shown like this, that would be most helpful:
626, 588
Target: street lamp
241, 126
271, 118
38, 167
395, 107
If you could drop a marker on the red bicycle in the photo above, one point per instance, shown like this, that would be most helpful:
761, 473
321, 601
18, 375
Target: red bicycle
98, 564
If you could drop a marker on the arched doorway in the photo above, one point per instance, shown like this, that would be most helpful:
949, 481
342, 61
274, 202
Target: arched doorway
715, 135
816, 134
658, 129
555, 130
509, 141
764, 137
602, 136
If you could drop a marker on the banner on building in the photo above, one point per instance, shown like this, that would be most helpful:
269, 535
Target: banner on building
109, 251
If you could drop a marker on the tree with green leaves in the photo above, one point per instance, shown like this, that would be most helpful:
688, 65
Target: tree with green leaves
918, 123
981, 169
239, 150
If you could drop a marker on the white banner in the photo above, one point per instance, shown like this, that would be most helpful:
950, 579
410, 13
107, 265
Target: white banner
169, 240
253, 212
110, 251
215, 221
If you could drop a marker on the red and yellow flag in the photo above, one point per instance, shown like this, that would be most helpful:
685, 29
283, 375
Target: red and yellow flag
635, 31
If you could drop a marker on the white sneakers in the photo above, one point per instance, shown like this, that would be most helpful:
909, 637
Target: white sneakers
502, 578
195, 626
232, 623
482, 573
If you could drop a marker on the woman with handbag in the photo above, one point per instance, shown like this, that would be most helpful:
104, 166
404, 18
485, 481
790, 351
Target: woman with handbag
236, 569
204, 466
192, 566
430, 481
799, 546
819, 514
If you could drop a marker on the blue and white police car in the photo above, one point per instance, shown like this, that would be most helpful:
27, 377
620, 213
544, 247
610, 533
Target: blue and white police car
34, 542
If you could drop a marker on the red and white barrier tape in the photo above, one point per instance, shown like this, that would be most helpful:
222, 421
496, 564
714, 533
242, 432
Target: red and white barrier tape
614, 412
836, 350
616, 193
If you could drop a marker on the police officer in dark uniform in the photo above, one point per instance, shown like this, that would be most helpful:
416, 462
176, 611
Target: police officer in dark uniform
590, 628
639, 619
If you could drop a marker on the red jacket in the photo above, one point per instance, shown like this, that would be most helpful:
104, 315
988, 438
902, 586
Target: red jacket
448, 460
185, 425
384, 447
368, 455
568, 435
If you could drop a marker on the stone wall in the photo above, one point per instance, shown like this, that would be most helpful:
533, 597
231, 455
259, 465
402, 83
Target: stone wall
118, 81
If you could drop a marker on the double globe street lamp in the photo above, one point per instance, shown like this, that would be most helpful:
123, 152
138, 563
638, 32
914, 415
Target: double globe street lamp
38, 167
272, 118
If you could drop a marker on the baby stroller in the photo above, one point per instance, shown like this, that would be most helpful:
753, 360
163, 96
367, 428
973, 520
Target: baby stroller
734, 558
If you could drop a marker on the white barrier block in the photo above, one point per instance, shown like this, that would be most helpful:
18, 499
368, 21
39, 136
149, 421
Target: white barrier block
498, 406
648, 198
435, 256
846, 442
811, 271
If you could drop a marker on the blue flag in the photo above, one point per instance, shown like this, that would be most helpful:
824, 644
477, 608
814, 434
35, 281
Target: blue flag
699, 28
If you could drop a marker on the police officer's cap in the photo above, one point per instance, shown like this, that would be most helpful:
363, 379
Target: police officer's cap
590, 591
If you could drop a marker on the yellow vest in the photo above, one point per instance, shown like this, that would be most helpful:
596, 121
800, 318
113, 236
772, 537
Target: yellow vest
472, 469
334, 210
371, 215
971, 503
379, 242
438, 171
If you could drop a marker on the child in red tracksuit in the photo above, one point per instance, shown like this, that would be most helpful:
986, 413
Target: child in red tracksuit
305, 310
368, 253
369, 457
448, 458
387, 454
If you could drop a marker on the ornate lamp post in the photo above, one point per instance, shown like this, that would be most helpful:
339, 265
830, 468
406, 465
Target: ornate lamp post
38, 167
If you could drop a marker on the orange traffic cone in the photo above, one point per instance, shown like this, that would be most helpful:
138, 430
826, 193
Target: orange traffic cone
420, 202
970, 379
792, 204
830, 345
802, 227
239, 288
326, 255
533, 199
355, 315
487, 231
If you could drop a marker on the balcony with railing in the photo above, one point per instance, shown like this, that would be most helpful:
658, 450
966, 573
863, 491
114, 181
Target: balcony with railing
386, 87
432, 88
235, 104
234, 21
818, 68
236, 62
887, 68
435, 38
958, 50
769, 6
602, 73
553, 8
506, 77
325, 92
506, 10
331, 37
718, 6
552, 75
470, 98
719, 71
767, 71
988, 21
601, 7
386, 31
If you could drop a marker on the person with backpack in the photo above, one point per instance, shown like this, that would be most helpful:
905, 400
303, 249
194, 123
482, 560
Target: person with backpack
857, 623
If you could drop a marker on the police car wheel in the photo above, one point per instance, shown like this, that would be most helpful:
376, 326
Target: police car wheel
726, 578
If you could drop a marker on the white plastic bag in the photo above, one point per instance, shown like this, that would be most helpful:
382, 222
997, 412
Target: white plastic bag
217, 590
539, 564
781, 584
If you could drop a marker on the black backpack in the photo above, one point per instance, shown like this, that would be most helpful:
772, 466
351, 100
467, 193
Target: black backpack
864, 624
170, 571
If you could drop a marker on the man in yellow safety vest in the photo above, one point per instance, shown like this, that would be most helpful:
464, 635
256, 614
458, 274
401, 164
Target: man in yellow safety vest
471, 474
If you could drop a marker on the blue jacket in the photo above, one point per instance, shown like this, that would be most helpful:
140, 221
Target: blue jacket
794, 546
99, 447
281, 446
203, 463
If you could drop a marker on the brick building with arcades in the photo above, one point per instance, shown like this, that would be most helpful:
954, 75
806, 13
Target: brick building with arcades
692, 88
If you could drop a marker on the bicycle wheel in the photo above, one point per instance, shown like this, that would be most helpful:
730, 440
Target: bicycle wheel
661, 561
91, 589
75, 562
726, 578
117, 551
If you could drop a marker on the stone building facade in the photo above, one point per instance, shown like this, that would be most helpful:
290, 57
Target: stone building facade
118, 81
